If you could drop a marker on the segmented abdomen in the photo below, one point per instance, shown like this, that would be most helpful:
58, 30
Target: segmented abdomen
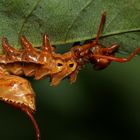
34, 62
26, 61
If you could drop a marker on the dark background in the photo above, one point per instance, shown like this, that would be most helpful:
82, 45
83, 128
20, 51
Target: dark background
101, 105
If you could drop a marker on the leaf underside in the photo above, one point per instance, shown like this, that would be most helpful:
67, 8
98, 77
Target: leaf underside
68, 21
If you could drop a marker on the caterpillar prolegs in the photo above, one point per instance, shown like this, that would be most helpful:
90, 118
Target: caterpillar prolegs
44, 62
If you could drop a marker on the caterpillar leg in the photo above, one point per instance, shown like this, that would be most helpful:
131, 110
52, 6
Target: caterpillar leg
117, 59
18, 92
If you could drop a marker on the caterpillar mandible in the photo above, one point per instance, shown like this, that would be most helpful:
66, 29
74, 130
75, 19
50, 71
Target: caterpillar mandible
44, 62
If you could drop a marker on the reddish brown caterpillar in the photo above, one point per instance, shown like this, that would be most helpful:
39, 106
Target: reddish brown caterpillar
41, 63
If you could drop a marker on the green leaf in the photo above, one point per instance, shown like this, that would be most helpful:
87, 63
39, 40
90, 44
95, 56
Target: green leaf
67, 21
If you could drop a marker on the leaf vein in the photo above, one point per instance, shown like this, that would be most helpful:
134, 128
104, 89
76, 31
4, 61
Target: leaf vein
72, 23
28, 15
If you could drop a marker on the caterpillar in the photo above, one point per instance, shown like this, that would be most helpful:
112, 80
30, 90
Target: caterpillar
45, 62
